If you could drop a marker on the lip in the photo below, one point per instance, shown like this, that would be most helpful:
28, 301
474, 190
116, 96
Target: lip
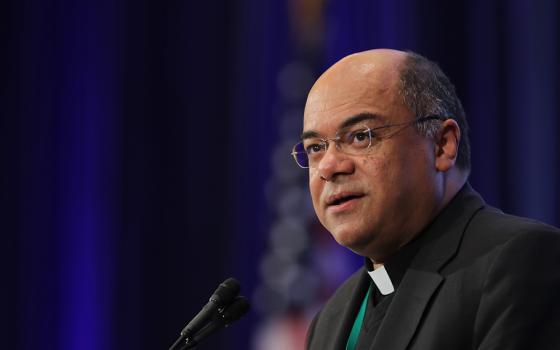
344, 206
333, 205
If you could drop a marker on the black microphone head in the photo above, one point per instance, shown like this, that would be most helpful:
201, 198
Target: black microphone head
236, 310
226, 292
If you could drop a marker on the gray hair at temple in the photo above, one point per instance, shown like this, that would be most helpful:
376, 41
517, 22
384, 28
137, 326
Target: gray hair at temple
426, 90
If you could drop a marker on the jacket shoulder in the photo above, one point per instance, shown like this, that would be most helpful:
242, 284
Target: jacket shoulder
490, 231
493, 226
497, 222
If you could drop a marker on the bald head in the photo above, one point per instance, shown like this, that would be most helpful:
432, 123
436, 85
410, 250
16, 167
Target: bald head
363, 74
382, 63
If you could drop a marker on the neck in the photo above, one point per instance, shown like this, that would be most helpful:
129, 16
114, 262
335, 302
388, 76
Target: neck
453, 181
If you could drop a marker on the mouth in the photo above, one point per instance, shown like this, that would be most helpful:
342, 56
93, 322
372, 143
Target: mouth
342, 198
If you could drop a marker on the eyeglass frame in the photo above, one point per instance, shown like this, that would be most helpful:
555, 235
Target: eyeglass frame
338, 139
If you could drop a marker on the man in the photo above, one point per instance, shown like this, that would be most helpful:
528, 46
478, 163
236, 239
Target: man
385, 143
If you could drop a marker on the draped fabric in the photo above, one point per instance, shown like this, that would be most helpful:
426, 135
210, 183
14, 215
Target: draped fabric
137, 143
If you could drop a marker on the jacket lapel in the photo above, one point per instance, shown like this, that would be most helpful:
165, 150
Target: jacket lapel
440, 243
333, 327
406, 309
346, 316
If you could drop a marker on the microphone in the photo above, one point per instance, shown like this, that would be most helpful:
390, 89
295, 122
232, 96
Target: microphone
232, 313
222, 297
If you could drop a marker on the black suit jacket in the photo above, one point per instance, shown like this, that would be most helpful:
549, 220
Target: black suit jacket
481, 279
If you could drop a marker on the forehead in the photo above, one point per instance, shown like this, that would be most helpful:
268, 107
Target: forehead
353, 88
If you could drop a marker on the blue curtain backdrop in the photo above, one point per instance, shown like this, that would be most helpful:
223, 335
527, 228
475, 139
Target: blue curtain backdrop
137, 136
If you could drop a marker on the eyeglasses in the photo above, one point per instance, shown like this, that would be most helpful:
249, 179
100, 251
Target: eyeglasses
355, 141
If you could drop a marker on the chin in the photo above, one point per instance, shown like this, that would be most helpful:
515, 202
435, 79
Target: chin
355, 241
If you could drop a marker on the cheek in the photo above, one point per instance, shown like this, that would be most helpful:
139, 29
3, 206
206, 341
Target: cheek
375, 167
315, 187
383, 174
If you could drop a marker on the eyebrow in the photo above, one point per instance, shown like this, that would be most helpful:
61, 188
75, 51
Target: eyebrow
353, 120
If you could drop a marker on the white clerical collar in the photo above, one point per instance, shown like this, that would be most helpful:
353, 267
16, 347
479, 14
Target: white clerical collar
382, 280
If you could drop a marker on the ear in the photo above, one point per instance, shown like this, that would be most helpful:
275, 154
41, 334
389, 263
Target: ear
447, 145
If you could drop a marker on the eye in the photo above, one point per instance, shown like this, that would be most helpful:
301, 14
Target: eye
358, 137
314, 148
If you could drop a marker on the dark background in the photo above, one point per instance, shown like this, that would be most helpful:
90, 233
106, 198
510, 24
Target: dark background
139, 142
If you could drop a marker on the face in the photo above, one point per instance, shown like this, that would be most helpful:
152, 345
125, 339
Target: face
375, 202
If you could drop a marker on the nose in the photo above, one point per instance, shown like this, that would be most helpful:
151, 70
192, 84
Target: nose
335, 163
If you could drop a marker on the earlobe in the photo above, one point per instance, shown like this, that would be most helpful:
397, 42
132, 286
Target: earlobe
447, 145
